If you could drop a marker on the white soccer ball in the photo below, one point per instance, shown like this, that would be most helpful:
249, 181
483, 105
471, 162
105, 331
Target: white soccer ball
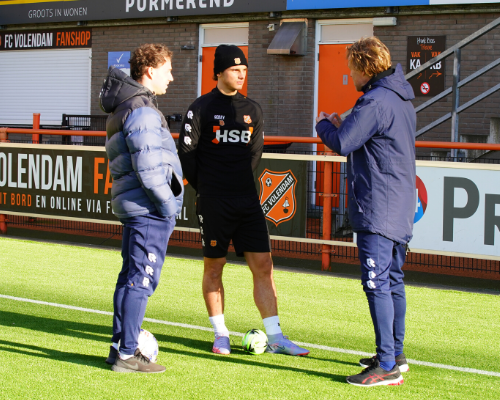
254, 341
148, 345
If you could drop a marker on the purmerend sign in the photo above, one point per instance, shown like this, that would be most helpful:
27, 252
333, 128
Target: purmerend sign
66, 182
43, 11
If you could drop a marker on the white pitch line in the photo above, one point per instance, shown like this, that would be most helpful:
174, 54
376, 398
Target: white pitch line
310, 345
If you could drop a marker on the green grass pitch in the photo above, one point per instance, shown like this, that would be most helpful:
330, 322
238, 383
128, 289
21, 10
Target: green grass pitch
49, 352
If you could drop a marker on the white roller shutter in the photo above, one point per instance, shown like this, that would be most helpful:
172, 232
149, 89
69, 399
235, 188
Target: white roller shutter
49, 82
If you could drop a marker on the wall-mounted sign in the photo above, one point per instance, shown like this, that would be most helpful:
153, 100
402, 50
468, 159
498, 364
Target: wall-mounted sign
420, 50
36, 11
45, 39
120, 60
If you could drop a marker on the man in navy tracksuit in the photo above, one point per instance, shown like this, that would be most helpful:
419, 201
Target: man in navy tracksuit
146, 195
378, 138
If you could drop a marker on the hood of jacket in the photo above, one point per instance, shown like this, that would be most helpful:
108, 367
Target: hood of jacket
394, 80
119, 87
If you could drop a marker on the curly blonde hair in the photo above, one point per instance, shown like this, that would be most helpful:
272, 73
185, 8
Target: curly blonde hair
369, 55
148, 55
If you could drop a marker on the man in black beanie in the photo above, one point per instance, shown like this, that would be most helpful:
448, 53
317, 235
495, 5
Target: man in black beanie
220, 145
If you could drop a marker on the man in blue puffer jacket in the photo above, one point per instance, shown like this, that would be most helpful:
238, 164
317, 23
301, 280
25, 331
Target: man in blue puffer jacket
146, 195
378, 138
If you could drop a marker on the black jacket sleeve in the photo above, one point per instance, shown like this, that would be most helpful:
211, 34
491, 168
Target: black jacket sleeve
257, 141
188, 143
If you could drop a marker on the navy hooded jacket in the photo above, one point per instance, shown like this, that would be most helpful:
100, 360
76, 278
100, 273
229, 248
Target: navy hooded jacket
378, 137
143, 161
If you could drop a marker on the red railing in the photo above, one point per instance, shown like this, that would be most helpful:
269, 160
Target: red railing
328, 170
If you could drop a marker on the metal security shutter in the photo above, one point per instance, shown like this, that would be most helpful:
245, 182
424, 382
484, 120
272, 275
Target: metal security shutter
49, 82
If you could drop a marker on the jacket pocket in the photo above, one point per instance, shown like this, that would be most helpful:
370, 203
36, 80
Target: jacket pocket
355, 198
175, 185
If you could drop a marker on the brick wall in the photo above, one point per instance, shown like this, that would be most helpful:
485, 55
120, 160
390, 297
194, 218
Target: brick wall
181, 92
456, 27
283, 85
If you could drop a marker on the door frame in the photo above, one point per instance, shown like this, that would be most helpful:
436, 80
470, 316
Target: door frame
317, 42
201, 43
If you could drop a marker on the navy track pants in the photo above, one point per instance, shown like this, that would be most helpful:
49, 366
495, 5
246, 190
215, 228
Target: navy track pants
144, 245
382, 277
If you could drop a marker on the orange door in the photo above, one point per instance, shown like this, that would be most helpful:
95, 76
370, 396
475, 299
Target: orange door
207, 70
336, 93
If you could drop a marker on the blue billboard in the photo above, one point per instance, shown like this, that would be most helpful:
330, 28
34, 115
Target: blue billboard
326, 4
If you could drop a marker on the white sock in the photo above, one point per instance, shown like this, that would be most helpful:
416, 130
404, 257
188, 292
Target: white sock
115, 345
272, 325
124, 356
219, 325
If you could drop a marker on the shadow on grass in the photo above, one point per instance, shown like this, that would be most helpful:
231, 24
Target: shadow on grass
56, 326
204, 352
251, 361
205, 346
43, 352
202, 348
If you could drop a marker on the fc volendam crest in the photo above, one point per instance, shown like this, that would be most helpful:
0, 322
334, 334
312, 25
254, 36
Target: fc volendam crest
277, 195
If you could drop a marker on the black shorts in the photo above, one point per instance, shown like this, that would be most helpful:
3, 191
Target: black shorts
238, 218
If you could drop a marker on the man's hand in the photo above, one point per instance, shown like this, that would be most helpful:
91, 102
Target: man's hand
335, 119
322, 115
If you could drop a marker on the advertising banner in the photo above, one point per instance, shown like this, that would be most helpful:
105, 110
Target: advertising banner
74, 183
43, 11
46, 39
55, 181
282, 189
40, 11
458, 209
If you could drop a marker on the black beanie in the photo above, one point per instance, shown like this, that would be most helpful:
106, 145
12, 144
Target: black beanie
227, 56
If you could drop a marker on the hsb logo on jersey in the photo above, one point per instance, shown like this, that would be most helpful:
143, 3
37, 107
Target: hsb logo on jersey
232, 136
277, 195
421, 205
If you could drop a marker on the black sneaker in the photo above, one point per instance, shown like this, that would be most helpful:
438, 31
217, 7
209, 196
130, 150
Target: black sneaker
137, 363
375, 375
400, 362
113, 353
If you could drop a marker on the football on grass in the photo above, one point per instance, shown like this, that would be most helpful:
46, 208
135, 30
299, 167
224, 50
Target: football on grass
254, 341
148, 345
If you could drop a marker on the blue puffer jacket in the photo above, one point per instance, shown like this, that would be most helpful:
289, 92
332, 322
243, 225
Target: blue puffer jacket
143, 161
379, 139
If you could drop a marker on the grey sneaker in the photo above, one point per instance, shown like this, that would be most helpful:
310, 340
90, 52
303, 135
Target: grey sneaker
374, 375
138, 363
285, 346
221, 345
113, 353
400, 362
